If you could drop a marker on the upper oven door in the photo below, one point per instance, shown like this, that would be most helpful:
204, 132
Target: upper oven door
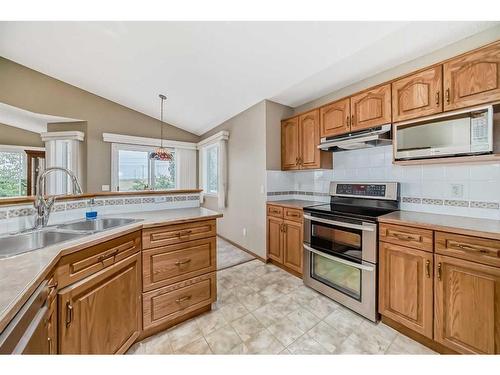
344, 237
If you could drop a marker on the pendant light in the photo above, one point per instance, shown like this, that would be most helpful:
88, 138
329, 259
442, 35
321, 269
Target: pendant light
161, 153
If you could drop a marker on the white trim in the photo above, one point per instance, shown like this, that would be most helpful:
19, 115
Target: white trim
144, 141
223, 135
64, 135
20, 148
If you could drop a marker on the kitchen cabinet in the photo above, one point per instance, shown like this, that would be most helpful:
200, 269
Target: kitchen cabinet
290, 147
467, 316
300, 137
285, 237
101, 314
335, 118
418, 95
473, 78
406, 287
371, 108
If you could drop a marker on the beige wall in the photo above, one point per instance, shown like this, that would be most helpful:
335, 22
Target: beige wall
246, 199
452, 50
10, 135
275, 112
33, 91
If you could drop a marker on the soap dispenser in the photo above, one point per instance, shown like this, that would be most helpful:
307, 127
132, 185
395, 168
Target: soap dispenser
91, 213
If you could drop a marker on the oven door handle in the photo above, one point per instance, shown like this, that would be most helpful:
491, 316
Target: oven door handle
340, 260
339, 223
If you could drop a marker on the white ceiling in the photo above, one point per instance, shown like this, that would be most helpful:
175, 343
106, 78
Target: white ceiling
211, 71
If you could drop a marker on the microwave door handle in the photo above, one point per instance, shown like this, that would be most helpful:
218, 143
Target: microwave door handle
339, 223
340, 260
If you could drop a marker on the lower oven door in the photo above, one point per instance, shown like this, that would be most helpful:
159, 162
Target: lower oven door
348, 283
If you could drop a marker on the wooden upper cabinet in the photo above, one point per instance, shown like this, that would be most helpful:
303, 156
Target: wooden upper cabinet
290, 146
102, 313
371, 108
309, 140
406, 292
417, 95
335, 118
467, 306
473, 78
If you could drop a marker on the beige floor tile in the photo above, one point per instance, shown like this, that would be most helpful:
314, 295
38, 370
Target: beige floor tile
321, 306
211, 321
157, 344
286, 304
247, 326
304, 295
363, 343
233, 311
223, 340
268, 314
199, 346
327, 336
285, 331
307, 345
303, 319
184, 333
405, 345
344, 320
253, 301
262, 342
271, 292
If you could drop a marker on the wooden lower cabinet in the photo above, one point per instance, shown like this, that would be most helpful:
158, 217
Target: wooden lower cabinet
101, 314
275, 239
406, 287
467, 298
292, 245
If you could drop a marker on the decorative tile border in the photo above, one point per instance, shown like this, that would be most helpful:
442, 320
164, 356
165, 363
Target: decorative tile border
22, 211
452, 203
488, 205
312, 193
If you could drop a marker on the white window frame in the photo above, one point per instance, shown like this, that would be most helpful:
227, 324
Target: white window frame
205, 169
117, 147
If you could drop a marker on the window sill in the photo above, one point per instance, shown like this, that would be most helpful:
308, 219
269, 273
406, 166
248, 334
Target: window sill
211, 195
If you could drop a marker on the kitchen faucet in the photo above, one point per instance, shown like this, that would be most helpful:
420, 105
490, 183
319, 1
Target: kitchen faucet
43, 205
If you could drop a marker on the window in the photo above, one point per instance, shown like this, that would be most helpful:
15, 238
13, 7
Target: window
134, 170
12, 173
211, 169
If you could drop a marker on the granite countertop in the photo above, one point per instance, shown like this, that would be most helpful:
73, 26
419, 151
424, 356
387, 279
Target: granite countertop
486, 228
295, 203
21, 274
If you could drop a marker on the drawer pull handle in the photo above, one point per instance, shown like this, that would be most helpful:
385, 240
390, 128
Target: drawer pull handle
428, 268
181, 262
184, 233
103, 257
405, 237
183, 299
467, 247
69, 313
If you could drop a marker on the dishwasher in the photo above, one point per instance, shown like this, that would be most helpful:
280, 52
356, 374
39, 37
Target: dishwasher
27, 333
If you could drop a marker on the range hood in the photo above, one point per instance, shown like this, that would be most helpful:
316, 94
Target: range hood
379, 136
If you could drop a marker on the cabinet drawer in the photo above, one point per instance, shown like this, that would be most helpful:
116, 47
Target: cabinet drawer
177, 233
407, 236
477, 249
170, 264
83, 263
171, 302
293, 214
275, 211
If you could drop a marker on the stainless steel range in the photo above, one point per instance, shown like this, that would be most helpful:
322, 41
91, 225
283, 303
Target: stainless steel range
340, 243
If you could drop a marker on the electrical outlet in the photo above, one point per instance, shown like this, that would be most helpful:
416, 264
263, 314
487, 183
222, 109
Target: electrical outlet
457, 190
244, 232
160, 199
105, 188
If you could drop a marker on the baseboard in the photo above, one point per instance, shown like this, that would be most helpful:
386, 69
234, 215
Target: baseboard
242, 248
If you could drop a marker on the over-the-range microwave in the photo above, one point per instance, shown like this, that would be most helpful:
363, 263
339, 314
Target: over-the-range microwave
464, 132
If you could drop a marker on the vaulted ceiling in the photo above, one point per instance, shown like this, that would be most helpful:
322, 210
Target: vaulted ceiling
211, 71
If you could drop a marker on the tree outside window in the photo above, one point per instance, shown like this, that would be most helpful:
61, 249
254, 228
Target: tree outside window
12, 174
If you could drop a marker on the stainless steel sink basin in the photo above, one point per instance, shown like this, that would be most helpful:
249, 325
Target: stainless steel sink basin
22, 243
97, 225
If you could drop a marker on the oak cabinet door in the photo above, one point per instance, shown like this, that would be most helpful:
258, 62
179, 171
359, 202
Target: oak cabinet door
473, 78
417, 95
406, 287
275, 239
371, 108
290, 147
309, 140
467, 300
335, 118
292, 246
102, 313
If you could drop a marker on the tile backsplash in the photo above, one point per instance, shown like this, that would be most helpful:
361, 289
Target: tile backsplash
466, 190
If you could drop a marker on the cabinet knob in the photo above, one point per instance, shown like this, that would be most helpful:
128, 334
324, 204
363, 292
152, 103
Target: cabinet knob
439, 271
428, 268
437, 98
447, 94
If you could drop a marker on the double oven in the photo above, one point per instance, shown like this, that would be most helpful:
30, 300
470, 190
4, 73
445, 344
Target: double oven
340, 243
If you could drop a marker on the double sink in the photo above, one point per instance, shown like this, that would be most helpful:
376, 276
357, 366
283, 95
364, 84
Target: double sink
15, 244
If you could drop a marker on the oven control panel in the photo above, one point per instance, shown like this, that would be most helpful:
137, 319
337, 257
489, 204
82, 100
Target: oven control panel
388, 190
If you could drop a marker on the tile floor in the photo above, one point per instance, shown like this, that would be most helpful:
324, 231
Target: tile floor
262, 309
229, 255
